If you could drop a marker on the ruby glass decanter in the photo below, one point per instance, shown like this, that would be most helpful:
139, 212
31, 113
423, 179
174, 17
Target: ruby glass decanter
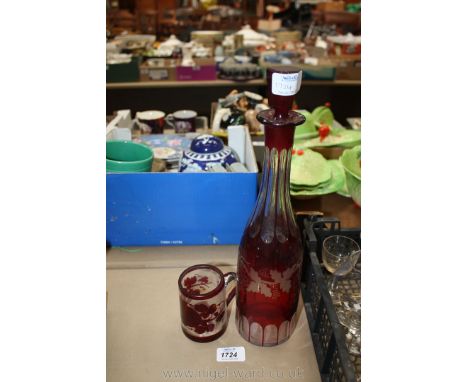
270, 254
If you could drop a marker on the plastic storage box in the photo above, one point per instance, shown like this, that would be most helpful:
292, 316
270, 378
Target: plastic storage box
146, 209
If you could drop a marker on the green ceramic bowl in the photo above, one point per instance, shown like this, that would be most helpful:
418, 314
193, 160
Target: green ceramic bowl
354, 187
127, 156
350, 161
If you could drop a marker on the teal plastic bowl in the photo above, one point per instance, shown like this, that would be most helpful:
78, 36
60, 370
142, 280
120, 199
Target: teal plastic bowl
127, 156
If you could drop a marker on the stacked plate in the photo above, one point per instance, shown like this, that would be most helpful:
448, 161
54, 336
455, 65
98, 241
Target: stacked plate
339, 136
167, 147
313, 175
351, 162
308, 134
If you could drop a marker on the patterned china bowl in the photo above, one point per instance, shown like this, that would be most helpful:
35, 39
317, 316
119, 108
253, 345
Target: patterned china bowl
205, 151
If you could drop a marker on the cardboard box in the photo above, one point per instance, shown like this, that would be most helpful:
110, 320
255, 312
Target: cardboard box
348, 72
207, 38
129, 72
120, 128
269, 25
347, 67
286, 36
344, 49
309, 72
159, 69
324, 73
204, 70
180, 208
331, 6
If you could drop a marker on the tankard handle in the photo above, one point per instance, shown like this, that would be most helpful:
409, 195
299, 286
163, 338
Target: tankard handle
229, 278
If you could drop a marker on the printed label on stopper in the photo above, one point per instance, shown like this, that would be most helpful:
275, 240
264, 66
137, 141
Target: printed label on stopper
286, 84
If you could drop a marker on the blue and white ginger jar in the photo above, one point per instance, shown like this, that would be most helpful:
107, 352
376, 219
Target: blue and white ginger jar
205, 151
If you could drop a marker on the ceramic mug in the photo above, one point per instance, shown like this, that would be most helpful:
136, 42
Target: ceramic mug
151, 121
204, 300
182, 121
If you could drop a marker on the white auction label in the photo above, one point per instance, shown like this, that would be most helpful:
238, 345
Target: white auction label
286, 84
233, 354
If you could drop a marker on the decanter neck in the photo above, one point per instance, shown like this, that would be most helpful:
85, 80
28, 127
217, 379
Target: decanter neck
279, 137
273, 217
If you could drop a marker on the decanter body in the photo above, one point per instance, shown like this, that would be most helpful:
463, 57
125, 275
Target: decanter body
270, 254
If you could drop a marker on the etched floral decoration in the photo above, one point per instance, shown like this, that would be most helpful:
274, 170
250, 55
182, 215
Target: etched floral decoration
203, 302
196, 284
200, 317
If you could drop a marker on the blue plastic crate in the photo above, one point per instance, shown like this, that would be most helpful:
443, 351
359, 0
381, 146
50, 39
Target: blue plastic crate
180, 208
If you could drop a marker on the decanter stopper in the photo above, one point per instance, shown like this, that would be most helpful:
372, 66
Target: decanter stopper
283, 84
